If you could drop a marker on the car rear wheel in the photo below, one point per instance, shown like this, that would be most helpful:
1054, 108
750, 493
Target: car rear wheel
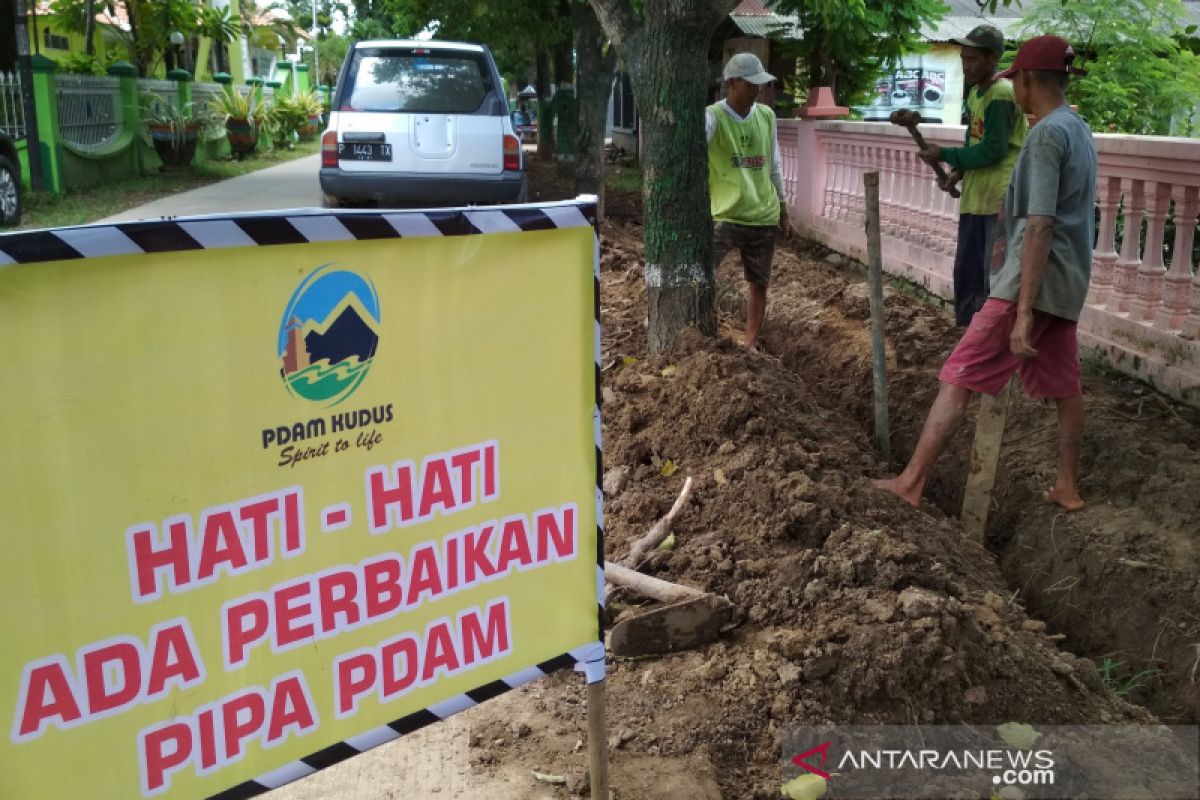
10, 193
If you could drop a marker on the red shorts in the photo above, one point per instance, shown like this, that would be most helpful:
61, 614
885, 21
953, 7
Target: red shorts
983, 362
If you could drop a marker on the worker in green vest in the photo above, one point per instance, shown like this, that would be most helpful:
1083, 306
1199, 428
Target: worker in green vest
996, 129
745, 182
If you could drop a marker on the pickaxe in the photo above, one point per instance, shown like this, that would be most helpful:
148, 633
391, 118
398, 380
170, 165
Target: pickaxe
910, 119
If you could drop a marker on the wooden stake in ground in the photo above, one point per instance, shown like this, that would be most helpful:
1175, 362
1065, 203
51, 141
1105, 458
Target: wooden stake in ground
597, 740
878, 348
985, 458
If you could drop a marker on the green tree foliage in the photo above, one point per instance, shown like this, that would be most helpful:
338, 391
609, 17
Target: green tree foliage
301, 12
218, 25
78, 16
1142, 74
847, 44
512, 29
331, 51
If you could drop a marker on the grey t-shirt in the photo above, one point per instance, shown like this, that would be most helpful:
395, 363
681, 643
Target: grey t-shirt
1055, 176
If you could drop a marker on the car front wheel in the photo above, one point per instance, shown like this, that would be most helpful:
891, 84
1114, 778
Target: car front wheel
10, 193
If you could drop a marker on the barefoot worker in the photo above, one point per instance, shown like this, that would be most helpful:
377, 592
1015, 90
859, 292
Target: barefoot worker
745, 182
1028, 323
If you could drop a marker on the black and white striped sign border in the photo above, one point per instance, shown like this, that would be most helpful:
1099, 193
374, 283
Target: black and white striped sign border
301, 226
310, 226
340, 751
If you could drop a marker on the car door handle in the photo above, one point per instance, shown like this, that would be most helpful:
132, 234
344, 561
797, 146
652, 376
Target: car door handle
350, 136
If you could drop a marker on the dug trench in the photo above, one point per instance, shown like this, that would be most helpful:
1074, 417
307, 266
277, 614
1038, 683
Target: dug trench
852, 607
1118, 580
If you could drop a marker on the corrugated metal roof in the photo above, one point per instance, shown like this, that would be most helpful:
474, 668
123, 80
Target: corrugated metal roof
970, 8
951, 28
765, 25
752, 8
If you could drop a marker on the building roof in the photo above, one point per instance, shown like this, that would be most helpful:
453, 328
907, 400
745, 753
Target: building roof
753, 18
965, 15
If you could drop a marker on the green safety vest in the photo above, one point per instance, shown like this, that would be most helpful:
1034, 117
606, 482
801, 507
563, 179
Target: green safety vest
739, 168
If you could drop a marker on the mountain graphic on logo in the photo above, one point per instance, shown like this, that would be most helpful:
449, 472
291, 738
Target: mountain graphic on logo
329, 335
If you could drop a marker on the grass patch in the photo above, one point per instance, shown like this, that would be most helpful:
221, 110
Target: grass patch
1117, 679
623, 179
46, 210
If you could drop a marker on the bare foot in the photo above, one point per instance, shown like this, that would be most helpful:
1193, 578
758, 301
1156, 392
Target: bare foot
1070, 500
908, 494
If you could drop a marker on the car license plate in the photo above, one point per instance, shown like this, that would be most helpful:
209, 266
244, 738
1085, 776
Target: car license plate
364, 151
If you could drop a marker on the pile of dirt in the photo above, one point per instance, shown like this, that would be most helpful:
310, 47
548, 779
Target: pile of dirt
1119, 579
852, 607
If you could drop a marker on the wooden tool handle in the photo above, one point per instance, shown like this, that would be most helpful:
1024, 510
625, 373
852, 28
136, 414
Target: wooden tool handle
908, 120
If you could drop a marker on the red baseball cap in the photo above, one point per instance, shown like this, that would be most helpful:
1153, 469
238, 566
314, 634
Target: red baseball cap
1046, 54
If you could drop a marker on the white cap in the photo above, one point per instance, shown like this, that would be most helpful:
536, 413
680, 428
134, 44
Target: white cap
747, 67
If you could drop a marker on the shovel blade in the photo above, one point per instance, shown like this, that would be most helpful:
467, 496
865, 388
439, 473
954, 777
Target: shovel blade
671, 628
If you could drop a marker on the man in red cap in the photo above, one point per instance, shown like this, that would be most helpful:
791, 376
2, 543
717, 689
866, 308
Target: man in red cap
1028, 323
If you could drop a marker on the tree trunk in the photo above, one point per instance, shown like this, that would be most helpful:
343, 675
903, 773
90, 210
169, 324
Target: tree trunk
89, 28
566, 109
678, 248
545, 119
666, 50
595, 85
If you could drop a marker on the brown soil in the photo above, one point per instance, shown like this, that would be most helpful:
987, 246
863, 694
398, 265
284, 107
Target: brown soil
1119, 579
851, 606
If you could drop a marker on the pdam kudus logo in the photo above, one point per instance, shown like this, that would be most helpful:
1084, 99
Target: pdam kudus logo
328, 335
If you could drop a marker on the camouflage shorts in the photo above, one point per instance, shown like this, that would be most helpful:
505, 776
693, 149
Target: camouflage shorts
755, 244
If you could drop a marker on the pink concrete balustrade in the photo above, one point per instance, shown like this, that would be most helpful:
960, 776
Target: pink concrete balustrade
1143, 311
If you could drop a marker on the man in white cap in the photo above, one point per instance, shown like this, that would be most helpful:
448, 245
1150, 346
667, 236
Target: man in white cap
745, 182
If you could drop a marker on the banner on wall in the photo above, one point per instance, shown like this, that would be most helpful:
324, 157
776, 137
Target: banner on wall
280, 488
912, 88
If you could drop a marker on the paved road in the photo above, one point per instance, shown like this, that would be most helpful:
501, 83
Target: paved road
290, 185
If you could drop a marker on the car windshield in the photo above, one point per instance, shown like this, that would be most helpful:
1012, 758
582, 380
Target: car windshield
416, 80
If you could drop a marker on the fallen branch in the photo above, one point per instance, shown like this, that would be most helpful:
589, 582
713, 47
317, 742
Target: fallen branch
647, 585
658, 533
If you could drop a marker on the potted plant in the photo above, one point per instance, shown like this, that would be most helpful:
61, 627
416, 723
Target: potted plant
174, 130
309, 104
243, 114
284, 120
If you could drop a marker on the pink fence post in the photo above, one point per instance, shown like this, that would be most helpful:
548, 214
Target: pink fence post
948, 219
829, 205
1126, 268
857, 200
842, 203
1191, 325
912, 197
925, 218
1105, 255
1177, 284
1144, 307
887, 191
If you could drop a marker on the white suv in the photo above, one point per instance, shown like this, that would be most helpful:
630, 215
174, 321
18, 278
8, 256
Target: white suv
420, 122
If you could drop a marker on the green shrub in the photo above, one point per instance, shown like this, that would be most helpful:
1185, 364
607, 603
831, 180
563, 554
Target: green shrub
237, 105
285, 119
